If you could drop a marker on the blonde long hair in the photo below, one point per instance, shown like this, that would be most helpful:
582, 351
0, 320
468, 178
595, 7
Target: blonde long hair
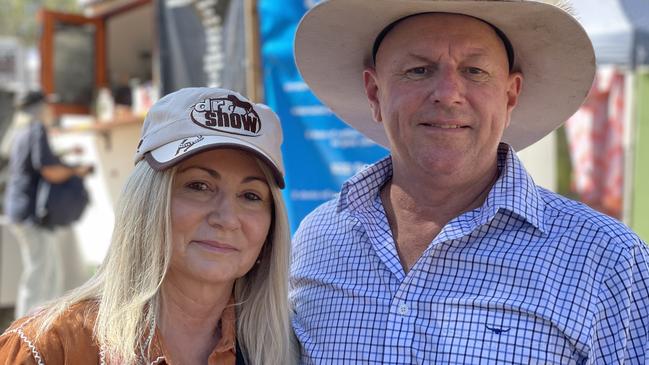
263, 324
126, 287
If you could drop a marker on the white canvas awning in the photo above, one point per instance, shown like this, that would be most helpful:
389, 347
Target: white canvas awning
619, 29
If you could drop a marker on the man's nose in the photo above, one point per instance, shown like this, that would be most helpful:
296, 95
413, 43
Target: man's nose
223, 213
447, 88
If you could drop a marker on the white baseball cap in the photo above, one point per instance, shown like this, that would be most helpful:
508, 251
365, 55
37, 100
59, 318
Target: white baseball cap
193, 120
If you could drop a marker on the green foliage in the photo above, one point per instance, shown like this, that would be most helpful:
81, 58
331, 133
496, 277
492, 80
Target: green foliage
20, 17
564, 166
640, 192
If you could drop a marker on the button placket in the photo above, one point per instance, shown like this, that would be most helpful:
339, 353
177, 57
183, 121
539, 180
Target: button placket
403, 309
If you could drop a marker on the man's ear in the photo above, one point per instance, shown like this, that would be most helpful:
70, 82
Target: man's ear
513, 91
372, 91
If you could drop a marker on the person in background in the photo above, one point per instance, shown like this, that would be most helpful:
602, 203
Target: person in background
446, 251
30, 160
197, 270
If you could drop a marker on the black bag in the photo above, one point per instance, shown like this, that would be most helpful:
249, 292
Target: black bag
60, 204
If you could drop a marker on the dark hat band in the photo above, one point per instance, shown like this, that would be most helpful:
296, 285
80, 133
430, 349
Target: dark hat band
508, 46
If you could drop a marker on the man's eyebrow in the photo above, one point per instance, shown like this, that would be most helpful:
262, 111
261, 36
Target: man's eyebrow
471, 53
476, 53
419, 57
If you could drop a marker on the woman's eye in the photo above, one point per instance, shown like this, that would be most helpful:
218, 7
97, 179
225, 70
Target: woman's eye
251, 196
198, 186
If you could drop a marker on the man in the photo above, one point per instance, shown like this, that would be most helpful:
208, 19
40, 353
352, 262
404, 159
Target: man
446, 252
31, 160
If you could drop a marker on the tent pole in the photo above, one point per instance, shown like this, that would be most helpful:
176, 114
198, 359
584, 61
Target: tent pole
253, 64
628, 146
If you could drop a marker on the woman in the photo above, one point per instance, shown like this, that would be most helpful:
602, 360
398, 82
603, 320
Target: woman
197, 269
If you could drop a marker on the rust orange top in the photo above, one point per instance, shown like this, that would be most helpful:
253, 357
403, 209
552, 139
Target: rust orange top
70, 340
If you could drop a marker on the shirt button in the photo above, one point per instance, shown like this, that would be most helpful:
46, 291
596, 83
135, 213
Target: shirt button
403, 309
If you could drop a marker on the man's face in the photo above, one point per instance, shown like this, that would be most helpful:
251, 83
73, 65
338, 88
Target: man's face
442, 89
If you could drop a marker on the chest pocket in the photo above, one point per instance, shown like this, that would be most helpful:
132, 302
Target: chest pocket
476, 335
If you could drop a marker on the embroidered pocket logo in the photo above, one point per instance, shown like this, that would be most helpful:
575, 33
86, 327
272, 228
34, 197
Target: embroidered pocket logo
497, 330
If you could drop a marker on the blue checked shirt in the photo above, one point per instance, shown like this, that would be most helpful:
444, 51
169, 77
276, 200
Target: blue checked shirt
528, 278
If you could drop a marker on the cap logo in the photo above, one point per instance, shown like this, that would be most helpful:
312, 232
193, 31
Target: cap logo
187, 143
229, 115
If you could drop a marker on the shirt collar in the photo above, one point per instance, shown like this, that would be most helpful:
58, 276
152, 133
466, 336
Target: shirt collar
513, 191
359, 191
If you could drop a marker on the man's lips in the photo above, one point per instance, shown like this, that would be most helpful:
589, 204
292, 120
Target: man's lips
444, 125
216, 246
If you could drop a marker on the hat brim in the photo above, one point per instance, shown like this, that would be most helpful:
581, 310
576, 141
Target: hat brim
333, 45
170, 154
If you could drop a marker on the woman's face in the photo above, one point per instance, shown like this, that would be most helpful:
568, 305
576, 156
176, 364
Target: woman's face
221, 208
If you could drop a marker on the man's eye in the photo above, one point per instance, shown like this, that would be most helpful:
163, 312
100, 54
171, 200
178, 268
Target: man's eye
417, 71
474, 70
476, 73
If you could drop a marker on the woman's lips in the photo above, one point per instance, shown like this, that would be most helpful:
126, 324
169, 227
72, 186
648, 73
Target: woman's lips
216, 246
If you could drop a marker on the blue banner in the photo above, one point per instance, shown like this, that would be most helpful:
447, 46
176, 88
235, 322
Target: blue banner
320, 151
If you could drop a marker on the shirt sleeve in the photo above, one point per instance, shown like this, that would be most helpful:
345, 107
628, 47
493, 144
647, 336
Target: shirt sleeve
41, 153
14, 351
620, 328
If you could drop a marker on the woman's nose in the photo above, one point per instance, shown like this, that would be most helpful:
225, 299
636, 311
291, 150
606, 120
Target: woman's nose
223, 213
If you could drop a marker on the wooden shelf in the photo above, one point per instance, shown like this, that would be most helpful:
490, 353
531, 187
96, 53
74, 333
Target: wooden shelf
104, 126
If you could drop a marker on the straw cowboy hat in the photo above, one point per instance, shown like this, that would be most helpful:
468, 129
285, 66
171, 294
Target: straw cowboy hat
334, 42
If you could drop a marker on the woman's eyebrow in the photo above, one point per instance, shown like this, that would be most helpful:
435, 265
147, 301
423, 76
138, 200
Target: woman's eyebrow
255, 178
215, 174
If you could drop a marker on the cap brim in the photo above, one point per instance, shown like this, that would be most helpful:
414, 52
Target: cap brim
552, 50
171, 154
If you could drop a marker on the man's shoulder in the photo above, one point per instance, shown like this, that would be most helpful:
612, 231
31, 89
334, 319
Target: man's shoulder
20, 144
330, 219
29, 133
576, 216
326, 213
